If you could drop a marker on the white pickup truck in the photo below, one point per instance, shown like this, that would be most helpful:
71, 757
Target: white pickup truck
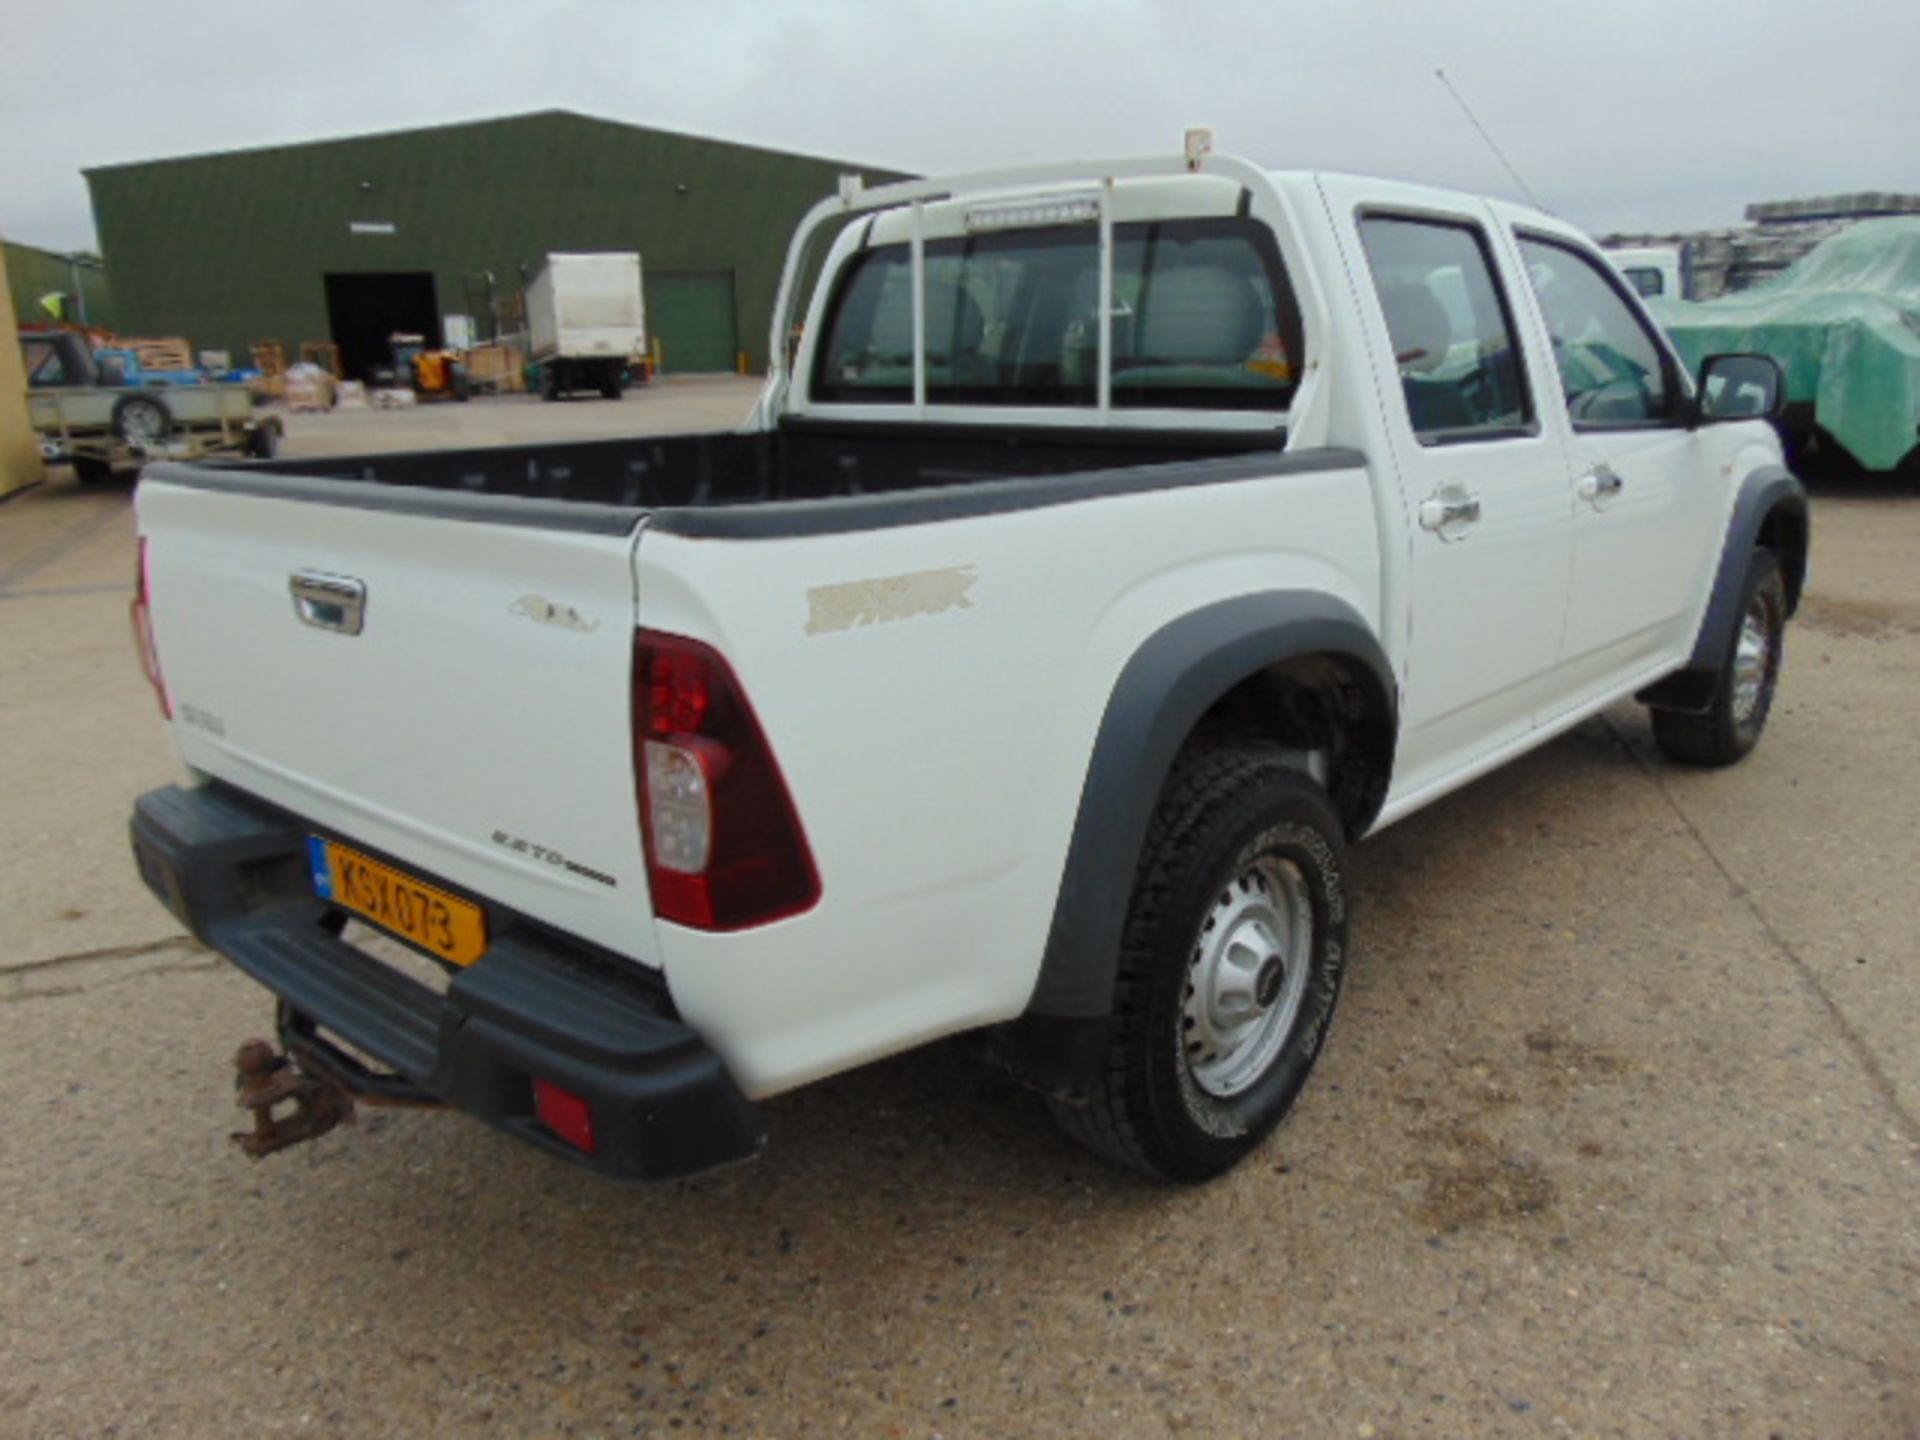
1122, 543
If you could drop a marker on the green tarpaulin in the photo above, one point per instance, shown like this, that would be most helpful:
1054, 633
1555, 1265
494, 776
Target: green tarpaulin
1844, 323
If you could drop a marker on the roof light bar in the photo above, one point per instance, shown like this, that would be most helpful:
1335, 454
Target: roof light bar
1068, 210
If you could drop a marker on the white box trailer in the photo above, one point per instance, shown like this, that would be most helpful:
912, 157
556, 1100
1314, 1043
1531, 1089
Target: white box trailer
586, 322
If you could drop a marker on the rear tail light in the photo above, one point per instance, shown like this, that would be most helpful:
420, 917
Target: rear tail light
565, 1114
725, 850
142, 612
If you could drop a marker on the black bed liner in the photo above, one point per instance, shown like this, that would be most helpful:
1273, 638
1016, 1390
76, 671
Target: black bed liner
804, 478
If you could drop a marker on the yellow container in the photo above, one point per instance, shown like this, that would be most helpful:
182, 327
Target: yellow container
20, 463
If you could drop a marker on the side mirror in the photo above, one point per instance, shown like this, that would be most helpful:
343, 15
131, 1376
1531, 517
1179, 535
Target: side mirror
1740, 387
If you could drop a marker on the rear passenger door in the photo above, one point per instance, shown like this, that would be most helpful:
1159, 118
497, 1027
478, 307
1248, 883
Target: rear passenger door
1644, 510
1485, 490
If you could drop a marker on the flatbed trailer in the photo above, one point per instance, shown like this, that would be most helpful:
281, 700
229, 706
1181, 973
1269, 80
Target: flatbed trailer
102, 430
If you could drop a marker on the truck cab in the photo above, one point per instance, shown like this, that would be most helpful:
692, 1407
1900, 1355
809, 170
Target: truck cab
1656, 272
57, 359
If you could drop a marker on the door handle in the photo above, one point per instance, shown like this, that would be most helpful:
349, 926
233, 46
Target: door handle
1447, 515
329, 602
1602, 482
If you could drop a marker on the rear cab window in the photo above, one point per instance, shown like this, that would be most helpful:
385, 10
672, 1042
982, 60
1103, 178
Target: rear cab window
1203, 318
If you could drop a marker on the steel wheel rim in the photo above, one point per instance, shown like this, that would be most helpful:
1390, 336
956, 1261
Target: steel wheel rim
1752, 659
1247, 977
142, 422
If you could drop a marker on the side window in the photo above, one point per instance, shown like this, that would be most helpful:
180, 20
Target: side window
1453, 337
1610, 367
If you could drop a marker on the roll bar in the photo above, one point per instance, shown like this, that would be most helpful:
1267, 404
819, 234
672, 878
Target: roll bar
1095, 176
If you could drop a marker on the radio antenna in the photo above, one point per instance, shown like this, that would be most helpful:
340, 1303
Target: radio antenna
1498, 153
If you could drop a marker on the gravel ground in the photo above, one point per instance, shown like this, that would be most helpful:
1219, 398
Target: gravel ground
1618, 1134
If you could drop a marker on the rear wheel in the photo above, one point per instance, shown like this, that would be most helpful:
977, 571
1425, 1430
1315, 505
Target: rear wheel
1743, 689
549, 383
1231, 965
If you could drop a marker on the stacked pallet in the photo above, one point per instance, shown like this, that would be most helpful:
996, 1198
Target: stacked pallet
270, 359
500, 367
168, 354
308, 387
323, 353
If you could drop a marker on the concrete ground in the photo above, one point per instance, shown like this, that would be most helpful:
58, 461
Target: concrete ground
1619, 1133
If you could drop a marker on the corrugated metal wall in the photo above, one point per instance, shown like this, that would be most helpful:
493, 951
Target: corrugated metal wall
230, 249
33, 272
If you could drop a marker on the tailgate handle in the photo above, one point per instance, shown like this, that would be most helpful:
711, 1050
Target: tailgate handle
329, 602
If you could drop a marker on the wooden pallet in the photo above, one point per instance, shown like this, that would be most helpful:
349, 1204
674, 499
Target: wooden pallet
169, 354
497, 367
323, 353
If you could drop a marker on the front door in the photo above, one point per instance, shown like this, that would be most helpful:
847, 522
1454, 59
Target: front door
1644, 504
1485, 489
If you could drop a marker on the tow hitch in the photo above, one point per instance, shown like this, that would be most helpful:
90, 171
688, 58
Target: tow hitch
266, 1080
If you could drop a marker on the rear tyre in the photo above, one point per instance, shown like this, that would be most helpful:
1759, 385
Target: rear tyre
613, 384
1231, 964
549, 383
1743, 689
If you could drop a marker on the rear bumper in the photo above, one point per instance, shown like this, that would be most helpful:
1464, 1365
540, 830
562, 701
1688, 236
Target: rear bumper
536, 1005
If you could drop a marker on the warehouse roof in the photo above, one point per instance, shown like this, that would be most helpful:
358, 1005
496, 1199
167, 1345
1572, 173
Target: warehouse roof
468, 126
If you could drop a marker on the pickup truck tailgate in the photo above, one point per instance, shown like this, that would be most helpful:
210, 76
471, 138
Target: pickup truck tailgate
475, 728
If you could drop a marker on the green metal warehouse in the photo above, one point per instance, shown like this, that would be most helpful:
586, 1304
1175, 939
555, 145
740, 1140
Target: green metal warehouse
352, 240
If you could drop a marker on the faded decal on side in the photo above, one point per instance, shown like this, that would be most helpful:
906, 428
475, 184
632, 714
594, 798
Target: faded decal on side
542, 611
891, 597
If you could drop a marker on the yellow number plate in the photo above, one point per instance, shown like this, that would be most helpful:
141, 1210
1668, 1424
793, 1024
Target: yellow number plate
442, 924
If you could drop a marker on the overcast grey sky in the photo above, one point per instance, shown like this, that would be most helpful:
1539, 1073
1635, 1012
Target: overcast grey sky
1626, 114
